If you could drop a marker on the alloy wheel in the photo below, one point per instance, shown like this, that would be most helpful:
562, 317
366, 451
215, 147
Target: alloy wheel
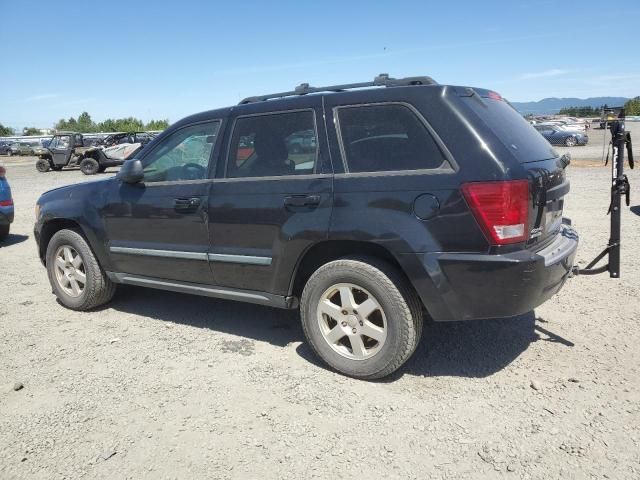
69, 271
352, 321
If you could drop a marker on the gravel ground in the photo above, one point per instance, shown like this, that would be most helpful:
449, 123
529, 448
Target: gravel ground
165, 385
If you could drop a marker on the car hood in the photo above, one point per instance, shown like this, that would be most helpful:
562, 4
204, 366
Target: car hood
82, 188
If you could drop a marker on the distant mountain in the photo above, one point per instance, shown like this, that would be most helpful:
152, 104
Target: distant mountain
548, 106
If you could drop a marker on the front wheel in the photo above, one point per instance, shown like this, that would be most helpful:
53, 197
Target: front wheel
361, 316
570, 141
42, 165
75, 274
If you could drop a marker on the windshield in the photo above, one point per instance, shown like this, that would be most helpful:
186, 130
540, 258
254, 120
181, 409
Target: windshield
515, 133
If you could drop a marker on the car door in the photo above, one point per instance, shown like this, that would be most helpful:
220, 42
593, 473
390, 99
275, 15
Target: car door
158, 228
269, 204
60, 148
395, 182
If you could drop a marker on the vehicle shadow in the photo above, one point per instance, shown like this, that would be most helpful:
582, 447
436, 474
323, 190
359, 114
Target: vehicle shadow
635, 209
13, 239
473, 349
273, 325
465, 349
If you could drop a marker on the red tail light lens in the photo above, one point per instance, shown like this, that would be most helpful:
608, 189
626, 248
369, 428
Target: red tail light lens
3, 171
501, 209
6, 203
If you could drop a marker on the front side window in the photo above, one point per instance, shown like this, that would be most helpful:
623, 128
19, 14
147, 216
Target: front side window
273, 145
184, 155
61, 142
378, 138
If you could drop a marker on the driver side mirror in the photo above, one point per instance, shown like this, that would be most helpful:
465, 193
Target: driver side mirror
131, 171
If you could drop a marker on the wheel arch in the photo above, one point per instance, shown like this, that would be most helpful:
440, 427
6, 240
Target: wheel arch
49, 229
52, 226
327, 251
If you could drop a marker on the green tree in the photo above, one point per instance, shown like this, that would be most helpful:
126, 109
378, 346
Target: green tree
632, 107
5, 131
85, 124
158, 124
31, 131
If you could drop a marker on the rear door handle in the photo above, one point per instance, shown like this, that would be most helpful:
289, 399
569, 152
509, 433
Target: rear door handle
186, 204
308, 201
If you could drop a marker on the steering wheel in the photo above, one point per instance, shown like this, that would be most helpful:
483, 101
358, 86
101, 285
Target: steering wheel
193, 171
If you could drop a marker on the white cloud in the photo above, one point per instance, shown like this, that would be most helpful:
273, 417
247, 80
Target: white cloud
554, 72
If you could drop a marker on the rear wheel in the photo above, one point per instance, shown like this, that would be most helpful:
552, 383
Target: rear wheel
4, 231
361, 317
43, 165
75, 274
89, 166
570, 141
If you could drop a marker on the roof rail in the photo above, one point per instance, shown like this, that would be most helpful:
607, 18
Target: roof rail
382, 80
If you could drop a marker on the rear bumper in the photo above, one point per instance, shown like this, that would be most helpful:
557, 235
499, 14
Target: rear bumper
466, 286
6, 215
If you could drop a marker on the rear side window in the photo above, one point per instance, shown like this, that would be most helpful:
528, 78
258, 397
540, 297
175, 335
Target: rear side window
515, 133
379, 138
273, 145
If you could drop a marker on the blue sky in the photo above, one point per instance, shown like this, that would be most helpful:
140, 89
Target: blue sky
166, 59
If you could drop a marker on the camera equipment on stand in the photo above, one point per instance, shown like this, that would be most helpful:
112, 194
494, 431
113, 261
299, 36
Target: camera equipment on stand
620, 139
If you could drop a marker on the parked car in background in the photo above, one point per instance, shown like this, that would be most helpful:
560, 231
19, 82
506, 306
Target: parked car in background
557, 136
22, 148
41, 149
429, 202
4, 148
6, 205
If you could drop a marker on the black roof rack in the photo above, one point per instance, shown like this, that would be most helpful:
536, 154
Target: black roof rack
382, 80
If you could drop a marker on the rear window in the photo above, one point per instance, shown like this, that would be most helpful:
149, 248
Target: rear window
518, 135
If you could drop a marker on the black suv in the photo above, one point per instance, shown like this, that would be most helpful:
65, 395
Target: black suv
412, 197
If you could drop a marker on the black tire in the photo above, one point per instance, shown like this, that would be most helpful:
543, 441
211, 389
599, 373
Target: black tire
570, 141
397, 299
42, 165
89, 166
98, 289
4, 231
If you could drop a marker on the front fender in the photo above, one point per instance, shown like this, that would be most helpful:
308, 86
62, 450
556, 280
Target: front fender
79, 205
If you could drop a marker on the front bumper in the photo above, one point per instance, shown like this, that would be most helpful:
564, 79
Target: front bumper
466, 286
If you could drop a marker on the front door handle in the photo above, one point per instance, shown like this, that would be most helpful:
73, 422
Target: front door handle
308, 201
186, 204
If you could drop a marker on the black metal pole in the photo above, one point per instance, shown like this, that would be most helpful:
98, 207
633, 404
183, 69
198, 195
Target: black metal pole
618, 141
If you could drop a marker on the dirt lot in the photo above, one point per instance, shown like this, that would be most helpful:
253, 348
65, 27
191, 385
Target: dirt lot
164, 385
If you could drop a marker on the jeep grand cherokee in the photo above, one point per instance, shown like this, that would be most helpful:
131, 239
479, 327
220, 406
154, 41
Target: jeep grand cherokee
411, 197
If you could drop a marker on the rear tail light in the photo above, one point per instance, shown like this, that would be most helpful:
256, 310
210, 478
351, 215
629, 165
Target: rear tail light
6, 203
3, 171
501, 209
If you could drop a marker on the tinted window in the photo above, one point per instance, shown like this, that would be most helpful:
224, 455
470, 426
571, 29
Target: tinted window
515, 133
184, 155
273, 145
380, 138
